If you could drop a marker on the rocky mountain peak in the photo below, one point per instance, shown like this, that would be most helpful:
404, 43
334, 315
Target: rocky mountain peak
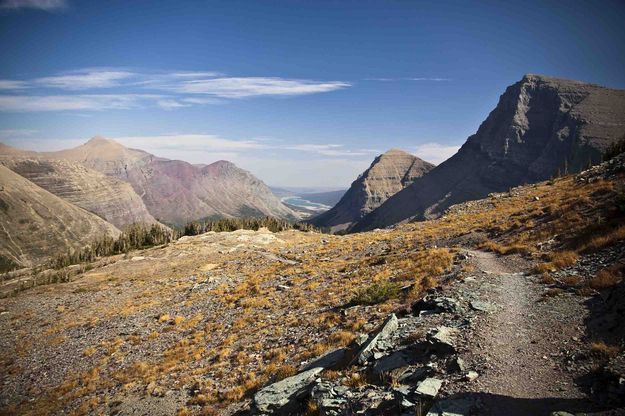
389, 173
540, 126
394, 152
100, 141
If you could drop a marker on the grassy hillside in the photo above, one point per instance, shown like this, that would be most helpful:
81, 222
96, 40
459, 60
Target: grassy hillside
207, 320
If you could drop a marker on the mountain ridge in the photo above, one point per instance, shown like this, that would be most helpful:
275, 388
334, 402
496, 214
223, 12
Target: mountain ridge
175, 191
110, 198
541, 125
36, 224
388, 174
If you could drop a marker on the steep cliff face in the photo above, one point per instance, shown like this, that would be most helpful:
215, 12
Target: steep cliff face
109, 198
541, 126
177, 192
36, 224
388, 174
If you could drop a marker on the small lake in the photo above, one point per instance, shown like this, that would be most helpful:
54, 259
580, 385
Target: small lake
304, 203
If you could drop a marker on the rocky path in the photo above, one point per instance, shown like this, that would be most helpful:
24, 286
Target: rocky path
491, 342
519, 349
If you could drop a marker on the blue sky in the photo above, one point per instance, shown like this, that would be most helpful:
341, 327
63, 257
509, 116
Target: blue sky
301, 93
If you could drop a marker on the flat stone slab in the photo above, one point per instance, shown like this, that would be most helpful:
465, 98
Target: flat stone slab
331, 360
452, 407
429, 387
444, 338
482, 306
389, 326
286, 395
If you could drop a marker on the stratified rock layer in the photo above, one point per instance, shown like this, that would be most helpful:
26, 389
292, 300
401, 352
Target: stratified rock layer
388, 174
109, 198
36, 224
177, 192
541, 126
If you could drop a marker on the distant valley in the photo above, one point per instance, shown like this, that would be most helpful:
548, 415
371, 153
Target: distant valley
308, 202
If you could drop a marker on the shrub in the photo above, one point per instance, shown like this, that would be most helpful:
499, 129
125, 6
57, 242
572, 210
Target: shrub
375, 293
505, 249
563, 259
544, 268
606, 278
552, 293
285, 371
614, 149
571, 280
341, 338
601, 349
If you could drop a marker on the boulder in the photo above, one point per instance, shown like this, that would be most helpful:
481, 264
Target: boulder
482, 306
389, 326
331, 360
443, 339
331, 399
429, 387
397, 360
285, 396
436, 304
471, 375
461, 406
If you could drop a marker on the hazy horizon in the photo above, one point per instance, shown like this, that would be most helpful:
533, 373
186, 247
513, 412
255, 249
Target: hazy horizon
298, 95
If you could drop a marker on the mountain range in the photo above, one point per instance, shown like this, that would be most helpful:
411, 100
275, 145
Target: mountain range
542, 126
112, 187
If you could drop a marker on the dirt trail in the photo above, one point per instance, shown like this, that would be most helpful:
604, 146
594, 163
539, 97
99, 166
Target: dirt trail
520, 348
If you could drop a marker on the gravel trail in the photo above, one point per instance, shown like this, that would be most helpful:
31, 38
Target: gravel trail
520, 349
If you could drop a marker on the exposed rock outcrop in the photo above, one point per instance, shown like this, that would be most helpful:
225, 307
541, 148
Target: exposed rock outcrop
36, 224
283, 397
540, 126
388, 174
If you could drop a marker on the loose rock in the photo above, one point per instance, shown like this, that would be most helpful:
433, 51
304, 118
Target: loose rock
285, 396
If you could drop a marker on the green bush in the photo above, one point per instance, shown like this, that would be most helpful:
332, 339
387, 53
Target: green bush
375, 293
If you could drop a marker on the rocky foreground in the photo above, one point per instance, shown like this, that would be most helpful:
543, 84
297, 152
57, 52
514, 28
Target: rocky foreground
494, 343
508, 304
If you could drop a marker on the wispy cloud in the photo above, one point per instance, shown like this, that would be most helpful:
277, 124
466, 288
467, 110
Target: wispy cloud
334, 150
29, 103
13, 133
47, 5
170, 104
166, 90
82, 80
433, 79
189, 142
241, 87
435, 152
8, 84
201, 142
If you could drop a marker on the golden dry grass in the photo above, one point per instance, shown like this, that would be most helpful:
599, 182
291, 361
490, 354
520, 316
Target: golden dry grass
607, 278
601, 349
235, 341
